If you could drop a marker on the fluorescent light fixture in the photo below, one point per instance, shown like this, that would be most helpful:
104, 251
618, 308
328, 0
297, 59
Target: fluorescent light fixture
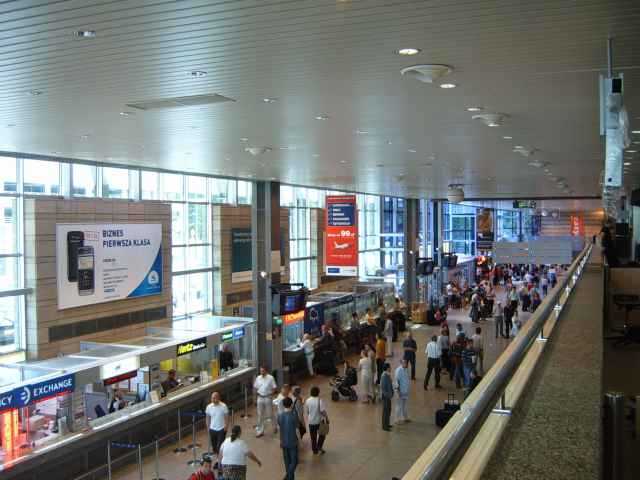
411, 150
126, 114
452, 85
362, 132
85, 34
269, 100
322, 117
637, 132
84, 137
474, 109
626, 164
518, 147
631, 151
507, 137
408, 51
244, 139
198, 73
493, 124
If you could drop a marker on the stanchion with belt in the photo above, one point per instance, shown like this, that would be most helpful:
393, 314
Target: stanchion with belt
246, 413
179, 448
128, 446
156, 460
194, 444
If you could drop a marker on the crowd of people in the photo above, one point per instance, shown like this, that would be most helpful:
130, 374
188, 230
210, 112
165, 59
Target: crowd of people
457, 355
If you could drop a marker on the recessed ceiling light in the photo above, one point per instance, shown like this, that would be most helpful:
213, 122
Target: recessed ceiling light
506, 137
637, 132
362, 132
493, 124
408, 51
474, 109
636, 143
126, 114
448, 85
85, 33
84, 137
244, 139
518, 147
269, 100
631, 151
322, 117
198, 73
411, 150
626, 164
343, 161
34, 93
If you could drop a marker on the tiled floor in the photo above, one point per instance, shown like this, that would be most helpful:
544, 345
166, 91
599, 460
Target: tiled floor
357, 448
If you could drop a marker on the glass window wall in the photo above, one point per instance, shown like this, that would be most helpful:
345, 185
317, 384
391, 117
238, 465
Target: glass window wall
459, 228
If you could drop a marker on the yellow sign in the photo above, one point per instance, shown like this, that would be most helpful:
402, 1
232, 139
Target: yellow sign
190, 347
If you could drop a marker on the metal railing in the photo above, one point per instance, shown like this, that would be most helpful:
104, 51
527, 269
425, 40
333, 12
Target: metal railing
444, 452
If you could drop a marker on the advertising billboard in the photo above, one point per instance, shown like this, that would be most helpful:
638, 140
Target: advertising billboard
100, 263
241, 255
484, 229
341, 241
577, 226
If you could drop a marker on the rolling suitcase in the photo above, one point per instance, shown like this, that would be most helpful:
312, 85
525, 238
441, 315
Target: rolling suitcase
451, 403
443, 415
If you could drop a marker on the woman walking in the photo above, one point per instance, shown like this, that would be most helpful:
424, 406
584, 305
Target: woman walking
298, 408
316, 414
371, 355
366, 374
233, 456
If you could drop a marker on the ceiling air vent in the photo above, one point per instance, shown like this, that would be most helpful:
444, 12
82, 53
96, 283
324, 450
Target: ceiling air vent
175, 102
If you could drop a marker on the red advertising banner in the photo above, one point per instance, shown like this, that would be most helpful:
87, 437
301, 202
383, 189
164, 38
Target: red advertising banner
577, 226
341, 236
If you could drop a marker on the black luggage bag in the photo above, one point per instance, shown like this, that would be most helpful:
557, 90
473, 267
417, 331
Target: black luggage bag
442, 416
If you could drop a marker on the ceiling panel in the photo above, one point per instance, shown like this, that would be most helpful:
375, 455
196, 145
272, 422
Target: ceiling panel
538, 62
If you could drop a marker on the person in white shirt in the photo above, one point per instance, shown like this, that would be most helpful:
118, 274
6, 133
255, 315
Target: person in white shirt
309, 352
265, 387
316, 411
478, 347
388, 332
218, 420
233, 456
433, 361
402, 384
285, 392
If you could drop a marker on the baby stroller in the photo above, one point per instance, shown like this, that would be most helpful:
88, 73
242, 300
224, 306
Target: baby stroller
343, 386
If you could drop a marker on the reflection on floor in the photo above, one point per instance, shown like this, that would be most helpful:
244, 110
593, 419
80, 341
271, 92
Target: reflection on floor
357, 448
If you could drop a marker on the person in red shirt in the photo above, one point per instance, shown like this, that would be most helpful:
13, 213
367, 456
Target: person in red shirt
205, 472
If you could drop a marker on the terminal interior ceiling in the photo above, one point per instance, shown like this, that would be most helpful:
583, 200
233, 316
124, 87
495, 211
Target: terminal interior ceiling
314, 89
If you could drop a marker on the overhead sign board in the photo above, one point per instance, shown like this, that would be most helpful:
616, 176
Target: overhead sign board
545, 251
119, 367
192, 346
577, 225
99, 263
524, 204
341, 229
26, 395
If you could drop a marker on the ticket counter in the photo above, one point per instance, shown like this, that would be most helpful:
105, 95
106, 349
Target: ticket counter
51, 408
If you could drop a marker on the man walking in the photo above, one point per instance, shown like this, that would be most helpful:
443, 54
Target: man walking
433, 361
403, 385
265, 387
508, 320
218, 420
410, 348
386, 392
288, 423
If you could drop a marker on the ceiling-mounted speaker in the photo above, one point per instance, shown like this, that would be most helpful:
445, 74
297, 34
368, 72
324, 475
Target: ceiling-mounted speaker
455, 194
426, 73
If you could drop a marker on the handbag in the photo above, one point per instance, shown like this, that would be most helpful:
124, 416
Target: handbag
323, 429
